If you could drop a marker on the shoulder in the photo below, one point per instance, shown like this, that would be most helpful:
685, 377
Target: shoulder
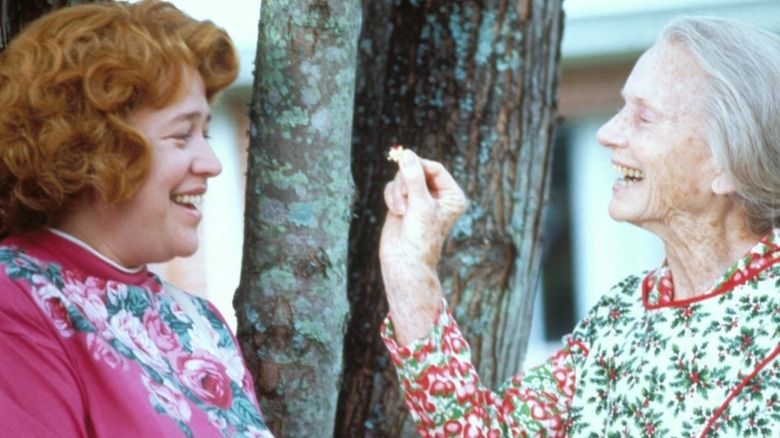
625, 294
31, 311
204, 317
613, 312
193, 305
15, 262
19, 267
16, 281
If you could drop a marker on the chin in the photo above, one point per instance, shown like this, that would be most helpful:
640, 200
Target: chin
621, 212
615, 214
187, 247
189, 251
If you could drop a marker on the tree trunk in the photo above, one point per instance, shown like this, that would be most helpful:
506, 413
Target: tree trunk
291, 303
473, 84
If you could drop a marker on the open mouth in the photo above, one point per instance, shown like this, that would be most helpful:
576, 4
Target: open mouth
628, 175
189, 201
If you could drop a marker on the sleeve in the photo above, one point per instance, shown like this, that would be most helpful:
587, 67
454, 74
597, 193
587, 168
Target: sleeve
40, 394
446, 398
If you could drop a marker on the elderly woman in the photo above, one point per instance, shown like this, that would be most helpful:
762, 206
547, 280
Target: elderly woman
104, 160
688, 349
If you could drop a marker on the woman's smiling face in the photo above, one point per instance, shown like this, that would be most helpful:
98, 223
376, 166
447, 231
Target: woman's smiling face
166, 210
658, 143
160, 221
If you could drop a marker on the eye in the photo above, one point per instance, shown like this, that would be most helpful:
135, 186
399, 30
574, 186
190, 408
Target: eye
181, 139
646, 116
640, 117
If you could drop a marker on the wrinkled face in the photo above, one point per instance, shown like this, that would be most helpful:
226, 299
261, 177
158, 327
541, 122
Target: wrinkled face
160, 221
664, 164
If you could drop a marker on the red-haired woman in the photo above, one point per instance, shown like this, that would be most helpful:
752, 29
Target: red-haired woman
104, 160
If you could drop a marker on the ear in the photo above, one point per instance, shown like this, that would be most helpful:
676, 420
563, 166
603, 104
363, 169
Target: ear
723, 185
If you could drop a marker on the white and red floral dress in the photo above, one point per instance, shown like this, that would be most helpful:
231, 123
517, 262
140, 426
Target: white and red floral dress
90, 350
640, 364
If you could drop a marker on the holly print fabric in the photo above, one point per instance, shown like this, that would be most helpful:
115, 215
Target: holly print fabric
94, 351
640, 364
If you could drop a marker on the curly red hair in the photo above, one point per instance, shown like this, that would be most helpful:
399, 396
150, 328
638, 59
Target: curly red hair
69, 81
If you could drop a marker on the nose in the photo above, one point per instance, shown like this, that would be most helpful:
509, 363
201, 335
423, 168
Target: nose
206, 162
612, 133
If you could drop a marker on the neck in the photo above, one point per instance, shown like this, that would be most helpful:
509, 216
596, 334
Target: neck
95, 231
699, 252
95, 252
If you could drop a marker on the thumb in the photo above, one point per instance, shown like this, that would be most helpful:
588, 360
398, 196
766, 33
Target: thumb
413, 177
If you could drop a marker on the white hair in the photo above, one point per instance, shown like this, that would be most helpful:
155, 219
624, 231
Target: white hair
743, 105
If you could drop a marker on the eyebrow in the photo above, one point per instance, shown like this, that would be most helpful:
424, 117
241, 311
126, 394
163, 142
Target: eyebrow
638, 100
192, 115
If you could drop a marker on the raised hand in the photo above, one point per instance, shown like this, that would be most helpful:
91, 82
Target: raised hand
423, 202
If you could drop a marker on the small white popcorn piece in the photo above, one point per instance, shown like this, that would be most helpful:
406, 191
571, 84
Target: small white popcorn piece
395, 153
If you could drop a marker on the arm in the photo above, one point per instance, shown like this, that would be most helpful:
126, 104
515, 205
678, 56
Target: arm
433, 361
445, 396
39, 391
423, 203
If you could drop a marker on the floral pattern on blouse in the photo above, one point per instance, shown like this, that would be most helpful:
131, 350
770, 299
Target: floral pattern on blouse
185, 361
639, 365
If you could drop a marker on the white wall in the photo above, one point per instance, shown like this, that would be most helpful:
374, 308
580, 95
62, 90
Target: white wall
605, 251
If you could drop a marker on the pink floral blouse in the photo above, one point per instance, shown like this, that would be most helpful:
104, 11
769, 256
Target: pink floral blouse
89, 350
639, 365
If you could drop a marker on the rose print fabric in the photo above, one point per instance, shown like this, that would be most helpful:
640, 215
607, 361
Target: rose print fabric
640, 364
88, 350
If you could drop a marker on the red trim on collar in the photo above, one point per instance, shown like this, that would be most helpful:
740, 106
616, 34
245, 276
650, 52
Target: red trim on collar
661, 278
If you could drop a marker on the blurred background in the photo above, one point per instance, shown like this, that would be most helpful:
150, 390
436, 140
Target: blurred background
585, 251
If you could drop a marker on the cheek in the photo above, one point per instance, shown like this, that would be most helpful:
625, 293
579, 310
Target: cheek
164, 179
692, 155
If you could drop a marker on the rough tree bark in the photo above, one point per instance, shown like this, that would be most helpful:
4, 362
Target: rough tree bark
291, 303
473, 84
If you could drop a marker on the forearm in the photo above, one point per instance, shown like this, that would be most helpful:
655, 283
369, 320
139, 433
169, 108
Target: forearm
445, 395
414, 296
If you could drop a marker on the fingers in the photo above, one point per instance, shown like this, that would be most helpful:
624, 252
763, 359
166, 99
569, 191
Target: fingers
414, 177
395, 196
438, 178
409, 184
444, 189
423, 185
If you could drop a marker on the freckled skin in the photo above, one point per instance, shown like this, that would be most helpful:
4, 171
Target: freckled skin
660, 131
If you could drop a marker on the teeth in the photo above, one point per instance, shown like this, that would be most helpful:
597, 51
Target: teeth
195, 200
628, 172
